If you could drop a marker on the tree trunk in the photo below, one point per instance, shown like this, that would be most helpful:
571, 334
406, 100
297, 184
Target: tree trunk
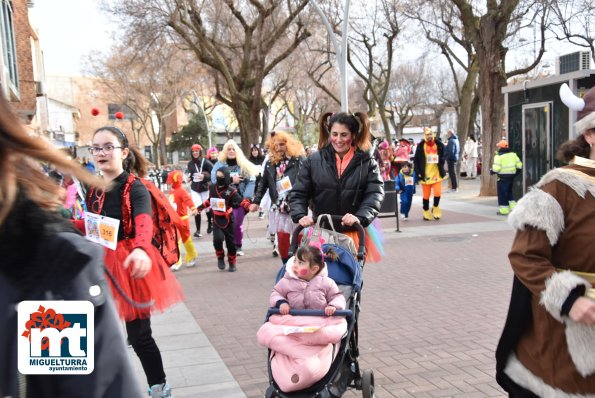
491, 80
385, 125
466, 114
248, 117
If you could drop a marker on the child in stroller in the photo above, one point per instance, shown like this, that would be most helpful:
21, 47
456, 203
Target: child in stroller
321, 351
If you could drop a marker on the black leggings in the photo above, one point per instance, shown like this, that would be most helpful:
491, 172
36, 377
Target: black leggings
224, 235
141, 339
198, 219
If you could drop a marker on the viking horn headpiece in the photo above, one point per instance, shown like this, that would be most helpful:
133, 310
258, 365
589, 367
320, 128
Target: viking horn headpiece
585, 107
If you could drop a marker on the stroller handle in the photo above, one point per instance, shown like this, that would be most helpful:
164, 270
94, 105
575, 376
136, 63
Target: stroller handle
346, 313
336, 219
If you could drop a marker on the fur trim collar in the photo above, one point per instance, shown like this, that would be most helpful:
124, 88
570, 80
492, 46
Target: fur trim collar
524, 378
540, 210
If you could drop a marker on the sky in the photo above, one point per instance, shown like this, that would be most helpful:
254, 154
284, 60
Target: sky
68, 31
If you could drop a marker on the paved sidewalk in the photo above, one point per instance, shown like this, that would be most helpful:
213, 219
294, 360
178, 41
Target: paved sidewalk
432, 309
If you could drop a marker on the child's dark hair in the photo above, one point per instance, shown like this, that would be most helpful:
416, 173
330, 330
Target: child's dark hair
135, 162
313, 255
406, 164
572, 148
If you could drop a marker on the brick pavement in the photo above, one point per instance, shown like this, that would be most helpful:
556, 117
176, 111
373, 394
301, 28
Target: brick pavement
432, 310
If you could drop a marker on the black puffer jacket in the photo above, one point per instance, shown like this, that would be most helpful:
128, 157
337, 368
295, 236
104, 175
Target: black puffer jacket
44, 258
269, 179
359, 191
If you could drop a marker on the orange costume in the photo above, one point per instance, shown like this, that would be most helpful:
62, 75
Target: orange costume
181, 200
429, 166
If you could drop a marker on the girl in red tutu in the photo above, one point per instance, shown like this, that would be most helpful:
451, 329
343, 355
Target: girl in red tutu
144, 281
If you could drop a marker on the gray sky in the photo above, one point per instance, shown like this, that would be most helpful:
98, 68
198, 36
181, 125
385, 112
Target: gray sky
69, 30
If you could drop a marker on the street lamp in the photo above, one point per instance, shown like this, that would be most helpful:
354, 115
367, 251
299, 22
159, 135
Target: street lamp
340, 51
204, 115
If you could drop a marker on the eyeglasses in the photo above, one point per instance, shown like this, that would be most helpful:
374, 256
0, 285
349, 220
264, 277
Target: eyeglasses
106, 149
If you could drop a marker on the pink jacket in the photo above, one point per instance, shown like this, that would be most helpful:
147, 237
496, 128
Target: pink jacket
302, 295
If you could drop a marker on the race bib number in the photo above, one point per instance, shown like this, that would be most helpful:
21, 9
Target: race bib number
433, 159
197, 177
218, 204
102, 230
408, 180
283, 185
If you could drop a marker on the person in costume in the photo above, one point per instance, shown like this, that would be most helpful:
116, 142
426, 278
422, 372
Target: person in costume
182, 202
212, 155
405, 187
547, 347
386, 158
136, 266
507, 165
243, 178
44, 256
279, 176
470, 156
428, 164
223, 199
199, 170
341, 178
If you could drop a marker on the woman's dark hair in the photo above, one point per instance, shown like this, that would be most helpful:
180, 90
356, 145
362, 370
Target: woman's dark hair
312, 255
572, 148
358, 124
135, 162
472, 137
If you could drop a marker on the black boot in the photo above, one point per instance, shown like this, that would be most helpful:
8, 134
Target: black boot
232, 262
220, 259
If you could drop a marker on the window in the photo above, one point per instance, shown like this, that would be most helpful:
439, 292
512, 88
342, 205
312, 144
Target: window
8, 45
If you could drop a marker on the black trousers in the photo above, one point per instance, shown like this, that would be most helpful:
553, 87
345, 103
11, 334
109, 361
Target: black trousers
141, 338
224, 234
452, 173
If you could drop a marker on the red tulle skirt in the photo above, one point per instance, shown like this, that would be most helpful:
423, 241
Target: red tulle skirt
156, 291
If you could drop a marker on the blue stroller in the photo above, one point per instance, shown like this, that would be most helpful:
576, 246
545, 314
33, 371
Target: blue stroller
344, 372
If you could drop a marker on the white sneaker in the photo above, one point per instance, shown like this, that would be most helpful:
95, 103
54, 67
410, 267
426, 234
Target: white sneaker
175, 267
160, 391
239, 253
192, 263
403, 216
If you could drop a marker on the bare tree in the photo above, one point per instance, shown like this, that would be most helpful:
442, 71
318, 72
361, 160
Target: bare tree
150, 87
373, 39
574, 21
242, 41
410, 87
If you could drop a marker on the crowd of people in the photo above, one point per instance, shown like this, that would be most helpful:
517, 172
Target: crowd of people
550, 317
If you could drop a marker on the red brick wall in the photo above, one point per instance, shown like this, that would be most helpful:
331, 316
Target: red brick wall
27, 104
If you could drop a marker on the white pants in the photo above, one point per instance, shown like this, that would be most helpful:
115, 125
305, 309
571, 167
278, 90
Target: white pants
471, 167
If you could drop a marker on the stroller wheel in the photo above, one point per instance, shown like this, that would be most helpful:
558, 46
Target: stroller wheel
368, 383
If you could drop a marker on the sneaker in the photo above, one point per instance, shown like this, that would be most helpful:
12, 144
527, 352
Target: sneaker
239, 253
261, 215
403, 216
221, 263
197, 234
232, 268
175, 267
275, 252
192, 263
160, 391
210, 228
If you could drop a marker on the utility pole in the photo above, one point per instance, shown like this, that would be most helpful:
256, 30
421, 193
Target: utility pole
341, 50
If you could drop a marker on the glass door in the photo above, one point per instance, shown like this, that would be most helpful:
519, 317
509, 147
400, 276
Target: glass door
536, 142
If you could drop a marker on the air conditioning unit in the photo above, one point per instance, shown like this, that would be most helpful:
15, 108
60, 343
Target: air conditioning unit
39, 89
580, 60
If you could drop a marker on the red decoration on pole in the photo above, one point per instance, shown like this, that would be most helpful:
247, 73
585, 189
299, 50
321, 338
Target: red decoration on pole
94, 111
119, 115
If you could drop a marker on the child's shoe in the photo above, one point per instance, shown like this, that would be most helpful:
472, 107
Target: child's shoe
427, 215
160, 391
221, 263
176, 266
232, 268
275, 251
192, 263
